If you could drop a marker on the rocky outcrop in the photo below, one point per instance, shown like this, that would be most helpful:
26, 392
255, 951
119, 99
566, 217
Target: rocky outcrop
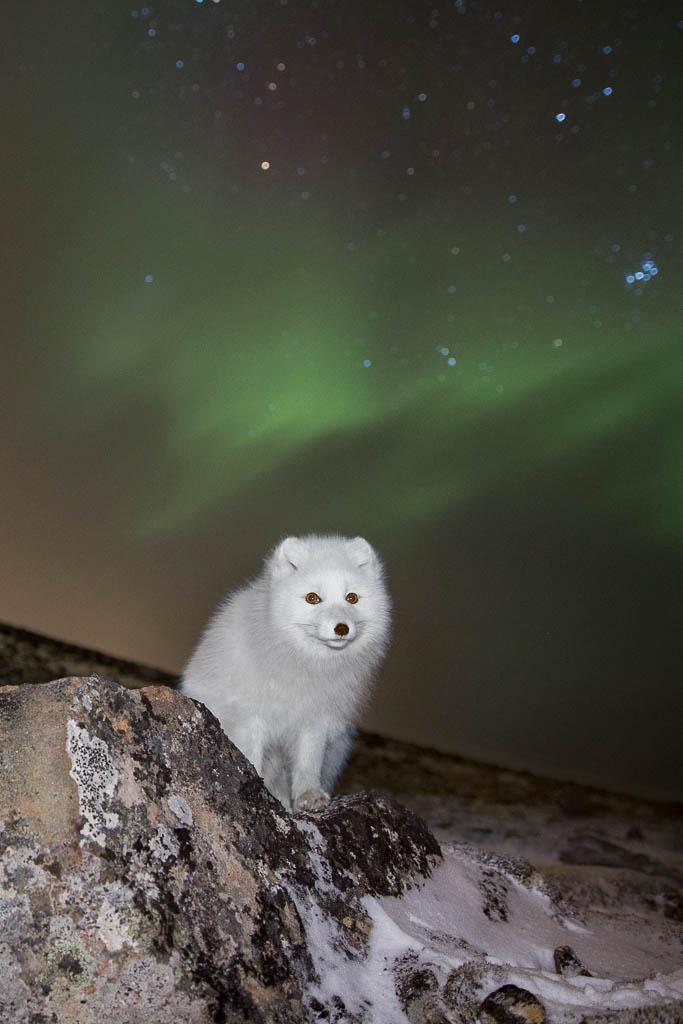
147, 875
28, 657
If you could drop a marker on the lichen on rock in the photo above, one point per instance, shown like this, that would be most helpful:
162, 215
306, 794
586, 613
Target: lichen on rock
95, 775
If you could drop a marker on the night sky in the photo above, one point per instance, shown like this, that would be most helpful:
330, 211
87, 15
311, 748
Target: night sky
401, 270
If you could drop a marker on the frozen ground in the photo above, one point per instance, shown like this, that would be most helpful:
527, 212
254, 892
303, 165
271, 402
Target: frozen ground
530, 866
474, 928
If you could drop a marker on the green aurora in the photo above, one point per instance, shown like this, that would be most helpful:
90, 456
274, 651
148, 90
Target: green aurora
249, 347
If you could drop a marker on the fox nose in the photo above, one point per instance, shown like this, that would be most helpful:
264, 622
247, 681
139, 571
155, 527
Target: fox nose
341, 629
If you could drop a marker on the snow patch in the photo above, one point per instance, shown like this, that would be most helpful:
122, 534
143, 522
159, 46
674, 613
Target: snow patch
446, 922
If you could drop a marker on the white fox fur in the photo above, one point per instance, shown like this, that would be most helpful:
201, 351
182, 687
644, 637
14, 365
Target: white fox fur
286, 687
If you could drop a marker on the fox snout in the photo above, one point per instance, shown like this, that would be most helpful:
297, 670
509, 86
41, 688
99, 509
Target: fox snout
341, 629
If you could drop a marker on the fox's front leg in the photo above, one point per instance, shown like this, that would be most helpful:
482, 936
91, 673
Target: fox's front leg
307, 762
250, 737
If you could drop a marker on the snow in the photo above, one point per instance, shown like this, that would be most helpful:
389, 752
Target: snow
443, 925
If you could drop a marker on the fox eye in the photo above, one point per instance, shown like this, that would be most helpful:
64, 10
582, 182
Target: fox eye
352, 598
313, 598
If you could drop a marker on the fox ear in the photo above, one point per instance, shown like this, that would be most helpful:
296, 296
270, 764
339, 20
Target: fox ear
288, 555
362, 553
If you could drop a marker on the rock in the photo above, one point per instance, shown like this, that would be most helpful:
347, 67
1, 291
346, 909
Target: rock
417, 988
568, 964
27, 657
148, 877
511, 1005
464, 986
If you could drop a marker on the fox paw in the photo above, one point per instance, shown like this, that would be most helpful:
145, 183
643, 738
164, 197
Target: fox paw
311, 800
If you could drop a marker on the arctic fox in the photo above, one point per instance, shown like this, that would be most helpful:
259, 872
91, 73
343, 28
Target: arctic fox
287, 662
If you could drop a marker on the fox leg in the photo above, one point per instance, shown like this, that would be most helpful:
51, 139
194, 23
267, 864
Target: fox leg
336, 754
276, 776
